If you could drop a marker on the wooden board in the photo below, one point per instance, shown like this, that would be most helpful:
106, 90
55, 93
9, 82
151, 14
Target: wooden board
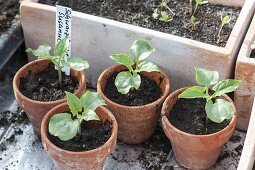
95, 38
245, 71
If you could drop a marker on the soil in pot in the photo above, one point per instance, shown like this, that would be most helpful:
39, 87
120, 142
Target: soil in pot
147, 93
8, 12
93, 135
252, 54
189, 115
44, 86
140, 14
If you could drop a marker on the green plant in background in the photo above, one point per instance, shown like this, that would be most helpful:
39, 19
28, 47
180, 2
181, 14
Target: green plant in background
194, 22
198, 2
126, 80
66, 126
60, 50
162, 14
224, 20
217, 109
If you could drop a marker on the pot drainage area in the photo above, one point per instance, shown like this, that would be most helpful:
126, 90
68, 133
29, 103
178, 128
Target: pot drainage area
21, 149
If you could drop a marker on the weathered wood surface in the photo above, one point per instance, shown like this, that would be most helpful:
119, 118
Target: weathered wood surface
245, 71
95, 38
248, 154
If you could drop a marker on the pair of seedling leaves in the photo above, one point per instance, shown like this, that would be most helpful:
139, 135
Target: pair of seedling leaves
126, 80
58, 58
66, 125
221, 109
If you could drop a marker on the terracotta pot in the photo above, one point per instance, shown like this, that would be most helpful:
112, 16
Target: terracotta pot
35, 110
136, 123
195, 151
87, 160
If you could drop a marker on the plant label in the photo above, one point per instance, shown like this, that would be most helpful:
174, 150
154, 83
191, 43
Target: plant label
63, 29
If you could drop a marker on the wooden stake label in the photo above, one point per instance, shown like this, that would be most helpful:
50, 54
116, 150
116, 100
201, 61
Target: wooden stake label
63, 29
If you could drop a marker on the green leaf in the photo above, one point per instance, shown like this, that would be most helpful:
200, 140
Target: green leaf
200, 2
193, 92
206, 77
61, 47
62, 126
155, 14
76, 63
226, 86
164, 17
43, 51
140, 50
91, 100
74, 103
146, 66
123, 59
219, 111
125, 81
88, 115
225, 20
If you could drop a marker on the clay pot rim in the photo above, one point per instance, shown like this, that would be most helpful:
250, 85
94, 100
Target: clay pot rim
164, 119
44, 131
163, 96
18, 76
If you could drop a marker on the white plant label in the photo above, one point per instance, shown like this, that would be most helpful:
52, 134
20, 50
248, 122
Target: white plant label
63, 29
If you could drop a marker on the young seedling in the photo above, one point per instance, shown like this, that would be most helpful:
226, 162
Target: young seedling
224, 20
217, 109
198, 2
161, 14
66, 126
155, 14
126, 80
190, 3
164, 5
60, 50
194, 22
164, 17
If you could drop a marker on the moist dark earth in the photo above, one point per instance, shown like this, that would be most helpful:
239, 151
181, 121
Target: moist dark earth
148, 92
252, 54
9, 10
44, 86
93, 135
189, 116
140, 14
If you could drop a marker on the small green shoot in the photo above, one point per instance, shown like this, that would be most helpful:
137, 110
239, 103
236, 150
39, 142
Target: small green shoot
164, 17
224, 20
162, 14
60, 50
126, 80
194, 22
190, 3
198, 2
155, 14
66, 126
221, 109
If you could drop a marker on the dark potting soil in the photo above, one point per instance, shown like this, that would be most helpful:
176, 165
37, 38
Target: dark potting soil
44, 86
252, 54
140, 14
189, 116
148, 92
7, 118
93, 135
8, 12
